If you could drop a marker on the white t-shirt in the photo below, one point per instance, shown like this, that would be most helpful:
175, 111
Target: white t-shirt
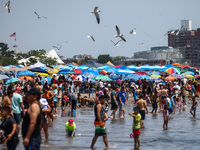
101, 84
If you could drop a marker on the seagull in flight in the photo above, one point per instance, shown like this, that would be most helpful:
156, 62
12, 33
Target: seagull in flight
119, 35
7, 6
91, 36
59, 46
117, 43
39, 17
133, 31
169, 32
96, 13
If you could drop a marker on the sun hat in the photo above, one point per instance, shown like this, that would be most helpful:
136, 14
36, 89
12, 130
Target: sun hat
43, 101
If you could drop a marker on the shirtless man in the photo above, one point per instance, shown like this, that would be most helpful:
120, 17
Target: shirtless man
194, 106
163, 95
142, 104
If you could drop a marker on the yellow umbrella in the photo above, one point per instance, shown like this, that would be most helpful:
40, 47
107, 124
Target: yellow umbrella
42, 74
154, 75
52, 70
189, 76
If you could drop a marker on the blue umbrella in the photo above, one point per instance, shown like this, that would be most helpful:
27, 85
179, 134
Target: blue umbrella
12, 80
114, 77
132, 76
26, 73
144, 77
4, 77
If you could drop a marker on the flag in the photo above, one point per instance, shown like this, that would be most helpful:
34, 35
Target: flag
160, 63
13, 35
14, 45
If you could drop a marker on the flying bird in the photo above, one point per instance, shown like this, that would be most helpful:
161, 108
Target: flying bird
90, 36
133, 31
96, 13
119, 35
117, 43
59, 46
39, 17
7, 6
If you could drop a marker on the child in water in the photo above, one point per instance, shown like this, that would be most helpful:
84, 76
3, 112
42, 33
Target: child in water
136, 126
179, 104
166, 117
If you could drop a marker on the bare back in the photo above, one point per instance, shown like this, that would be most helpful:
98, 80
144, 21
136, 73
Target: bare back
141, 104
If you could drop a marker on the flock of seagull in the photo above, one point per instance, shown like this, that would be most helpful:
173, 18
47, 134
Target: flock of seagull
96, 13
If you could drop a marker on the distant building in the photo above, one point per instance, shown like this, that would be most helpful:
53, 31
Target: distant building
188, 40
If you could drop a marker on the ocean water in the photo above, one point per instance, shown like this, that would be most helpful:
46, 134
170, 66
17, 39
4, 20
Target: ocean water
183, 132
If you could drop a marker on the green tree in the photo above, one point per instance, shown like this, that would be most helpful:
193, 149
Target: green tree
48, 61
118, 58
31, 61
104, 58
6, 56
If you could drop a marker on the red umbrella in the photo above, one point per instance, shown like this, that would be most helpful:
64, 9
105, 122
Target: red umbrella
185, 66
77, 71
141, 73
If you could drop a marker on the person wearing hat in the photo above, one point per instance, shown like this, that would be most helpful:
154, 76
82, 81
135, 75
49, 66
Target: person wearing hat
17, 106
70, 128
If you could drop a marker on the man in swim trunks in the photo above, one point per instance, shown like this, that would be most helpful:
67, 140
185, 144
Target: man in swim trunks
194, 106
142, 104
163, 96
99, 122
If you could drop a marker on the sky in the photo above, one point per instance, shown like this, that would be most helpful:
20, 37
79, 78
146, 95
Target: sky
70, 20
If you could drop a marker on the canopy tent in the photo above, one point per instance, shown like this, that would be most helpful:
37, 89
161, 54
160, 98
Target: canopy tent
38, 69
26, 73
38, 64
110, 64
52, 54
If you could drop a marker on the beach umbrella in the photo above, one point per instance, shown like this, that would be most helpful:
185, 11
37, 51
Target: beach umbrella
141, 73
103, 72
110, 69
132, 76
27, 78
176, 64
102, 78
52, 70
144, 77
26, 73
178, 75
189, 76
38, 69
170, 78
80, 77
88, 75
48, 79
185, 66
189, 72
1, 80
125, 72
114, 77
4, 77
173, 70
42, 74
12, 80
155, 73
158, 76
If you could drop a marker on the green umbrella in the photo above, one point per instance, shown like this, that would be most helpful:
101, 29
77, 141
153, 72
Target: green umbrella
103, 78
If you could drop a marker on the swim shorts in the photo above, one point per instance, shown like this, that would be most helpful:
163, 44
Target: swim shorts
136, 133
121, 106
142, 113
98, 129
163, 100
193, 108
34, 144
155, 105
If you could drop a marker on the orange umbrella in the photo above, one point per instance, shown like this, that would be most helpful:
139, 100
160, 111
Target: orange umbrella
170, 78
176, 64
27, 78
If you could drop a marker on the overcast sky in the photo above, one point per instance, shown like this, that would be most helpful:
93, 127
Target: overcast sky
70, 20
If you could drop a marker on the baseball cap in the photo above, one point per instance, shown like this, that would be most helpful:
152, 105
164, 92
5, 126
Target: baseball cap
43, 101
70, 122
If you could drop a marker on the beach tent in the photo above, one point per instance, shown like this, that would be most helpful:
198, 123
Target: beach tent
38, 64
52, 54
110, 64
38, 69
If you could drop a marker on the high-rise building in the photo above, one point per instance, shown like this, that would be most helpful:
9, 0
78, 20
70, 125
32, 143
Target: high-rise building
188, 40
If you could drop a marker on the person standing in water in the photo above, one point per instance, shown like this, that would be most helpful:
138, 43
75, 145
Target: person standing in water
142, 104
194, 106
99, 122
31, 121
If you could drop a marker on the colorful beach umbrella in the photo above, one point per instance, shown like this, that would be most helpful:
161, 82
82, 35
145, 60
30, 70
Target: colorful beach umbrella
170, 78
173, 70
12, 80
102, 78
189, 76
158, 76
27, 78
178, 75
52, 70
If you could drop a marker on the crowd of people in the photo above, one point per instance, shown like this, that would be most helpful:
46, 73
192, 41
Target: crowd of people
32, 105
